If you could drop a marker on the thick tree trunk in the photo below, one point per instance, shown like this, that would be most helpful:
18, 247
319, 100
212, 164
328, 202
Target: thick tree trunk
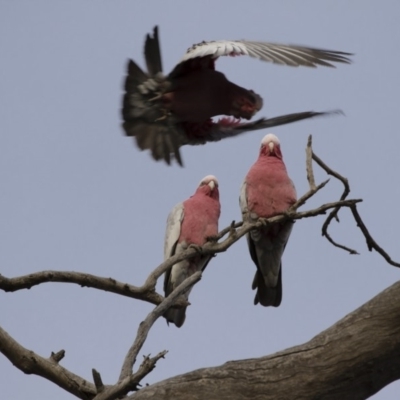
353, 359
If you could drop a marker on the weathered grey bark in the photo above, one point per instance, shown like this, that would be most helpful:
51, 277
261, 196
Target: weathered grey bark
352, 360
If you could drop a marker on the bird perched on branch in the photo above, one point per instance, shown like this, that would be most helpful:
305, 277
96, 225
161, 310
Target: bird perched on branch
267, 191
190, 223
167, 112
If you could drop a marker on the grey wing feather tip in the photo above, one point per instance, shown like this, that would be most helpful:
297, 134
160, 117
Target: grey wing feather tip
152, 53
295, 55
219, 132
162, 143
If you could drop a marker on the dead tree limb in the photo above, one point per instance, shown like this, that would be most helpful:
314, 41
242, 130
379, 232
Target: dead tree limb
31, 363
351, 360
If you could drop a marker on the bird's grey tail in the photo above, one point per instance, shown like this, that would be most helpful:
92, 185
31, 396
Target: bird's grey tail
176, 316
267, 296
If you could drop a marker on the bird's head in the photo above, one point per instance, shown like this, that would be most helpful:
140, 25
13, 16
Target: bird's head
246, 105
209, 186
270, 146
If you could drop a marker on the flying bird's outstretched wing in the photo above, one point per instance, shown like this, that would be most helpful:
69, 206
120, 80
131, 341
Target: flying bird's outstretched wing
230, 128
283, 54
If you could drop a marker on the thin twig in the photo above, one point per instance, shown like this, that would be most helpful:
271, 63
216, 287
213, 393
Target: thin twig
98, 382
145, 325
302, 200
334, 213
82, 279
309, 168
371, 243
341, 178
57, 357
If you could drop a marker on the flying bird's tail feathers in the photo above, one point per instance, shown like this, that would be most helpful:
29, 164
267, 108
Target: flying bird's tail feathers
267, 296
143, 117
161, 140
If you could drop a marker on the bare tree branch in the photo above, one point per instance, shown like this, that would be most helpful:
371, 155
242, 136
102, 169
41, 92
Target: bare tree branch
371, 243
145, 326
57, 357
31, 363
98, 382
84, 280
309, 168
334, 213
128, 381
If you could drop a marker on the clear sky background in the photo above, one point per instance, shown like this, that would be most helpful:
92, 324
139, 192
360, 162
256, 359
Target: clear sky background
77, 195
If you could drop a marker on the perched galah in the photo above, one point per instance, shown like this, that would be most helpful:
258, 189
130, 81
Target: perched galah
267, 191
190, 223
167, 112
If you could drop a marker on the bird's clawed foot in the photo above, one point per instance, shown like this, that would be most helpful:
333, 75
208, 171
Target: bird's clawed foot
158, 97
263, 221
212, 239
198, 248
163, 118
165, 115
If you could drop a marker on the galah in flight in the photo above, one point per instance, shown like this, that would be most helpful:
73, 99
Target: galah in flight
267, 191
167, 112
190, 223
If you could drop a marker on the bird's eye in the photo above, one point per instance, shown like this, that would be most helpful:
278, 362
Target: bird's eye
252, 98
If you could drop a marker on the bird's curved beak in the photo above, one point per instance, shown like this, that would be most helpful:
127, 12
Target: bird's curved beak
271, 146
212, 185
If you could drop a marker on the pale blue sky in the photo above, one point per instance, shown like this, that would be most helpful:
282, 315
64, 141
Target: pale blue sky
78, 195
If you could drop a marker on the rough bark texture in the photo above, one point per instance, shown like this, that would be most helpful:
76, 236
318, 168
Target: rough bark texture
352, 360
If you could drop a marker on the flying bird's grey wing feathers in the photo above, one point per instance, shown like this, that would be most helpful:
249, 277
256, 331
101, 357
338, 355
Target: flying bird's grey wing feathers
224, 129
163, 141
215, 49
135, 76
152, 53
291, 55
294, 55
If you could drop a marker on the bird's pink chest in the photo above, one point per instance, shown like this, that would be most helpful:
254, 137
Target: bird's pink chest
269, 189
200, 220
